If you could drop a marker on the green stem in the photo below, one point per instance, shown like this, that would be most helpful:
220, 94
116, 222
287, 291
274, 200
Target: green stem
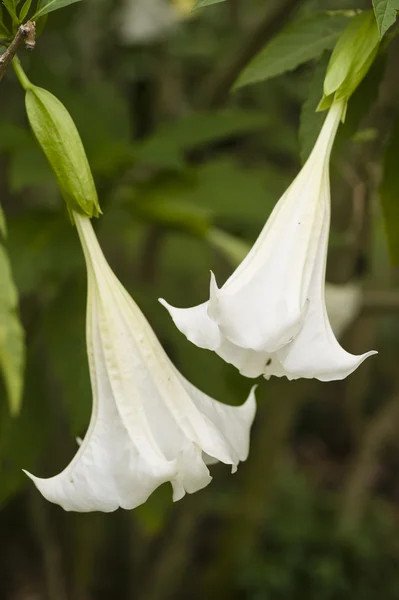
20, 73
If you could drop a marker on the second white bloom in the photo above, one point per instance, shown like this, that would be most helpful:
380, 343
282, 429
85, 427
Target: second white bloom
149, 424
270, 317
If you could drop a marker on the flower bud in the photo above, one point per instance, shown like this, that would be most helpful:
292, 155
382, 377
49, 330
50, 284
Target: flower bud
351, 59
60, 141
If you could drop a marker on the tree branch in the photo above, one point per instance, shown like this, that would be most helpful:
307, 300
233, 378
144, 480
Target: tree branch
380, 429
25, 32
215, 90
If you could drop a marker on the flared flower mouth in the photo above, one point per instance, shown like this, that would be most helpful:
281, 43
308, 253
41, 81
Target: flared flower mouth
149, 424
270, 317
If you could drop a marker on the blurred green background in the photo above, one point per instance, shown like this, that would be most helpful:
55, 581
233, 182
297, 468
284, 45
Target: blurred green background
187, 172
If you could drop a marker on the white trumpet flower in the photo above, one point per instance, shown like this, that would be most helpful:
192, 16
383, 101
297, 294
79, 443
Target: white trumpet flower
270, 316
145, 21
149, 425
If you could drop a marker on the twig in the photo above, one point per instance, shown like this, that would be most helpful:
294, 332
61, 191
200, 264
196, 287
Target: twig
216, 88
378, 432
25, 32
50, 547
165, 574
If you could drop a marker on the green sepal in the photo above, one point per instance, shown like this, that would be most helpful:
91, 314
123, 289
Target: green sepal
60, 141
325, 102
351, 59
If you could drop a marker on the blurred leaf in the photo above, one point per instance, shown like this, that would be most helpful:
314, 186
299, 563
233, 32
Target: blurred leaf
311, 121
202, 3
175, 215
220, 191
302, 40
28, 168
233, 248
102, 118
11, 6
12, 347
3, 225
166, 147
13, 136
4, 33
153, 514
24, 10
65, 340
235, 193
358, 107
22, 440
385, 14
389, 193
46, 6
40, 25
44, 251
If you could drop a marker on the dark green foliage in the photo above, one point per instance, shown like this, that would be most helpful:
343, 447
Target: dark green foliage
301, 553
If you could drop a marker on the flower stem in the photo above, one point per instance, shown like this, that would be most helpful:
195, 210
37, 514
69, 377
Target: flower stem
20, 73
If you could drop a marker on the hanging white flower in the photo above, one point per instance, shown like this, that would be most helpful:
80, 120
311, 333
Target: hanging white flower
145, 21
270, 317
149, 425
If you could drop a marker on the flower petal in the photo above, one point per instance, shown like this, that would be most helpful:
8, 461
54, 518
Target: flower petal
196, 324
108, 470
192, 474
315, 352
234, 422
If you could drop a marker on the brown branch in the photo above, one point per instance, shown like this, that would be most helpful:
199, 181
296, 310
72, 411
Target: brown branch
215, 90
166, 571
380, 429
25, 33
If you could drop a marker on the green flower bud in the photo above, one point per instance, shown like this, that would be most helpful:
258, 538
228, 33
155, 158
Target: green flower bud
60, 141
351, 59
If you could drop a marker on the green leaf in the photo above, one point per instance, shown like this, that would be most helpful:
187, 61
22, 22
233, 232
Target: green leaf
4, 33
70, 357
311, 121
385, 13
24, 10
221, 190
352, 56
233, 248
389, 193
11, 8
43, 251
3, 225
22, 440
47, 6
12, 348
301, 41
166, 147
202, 3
